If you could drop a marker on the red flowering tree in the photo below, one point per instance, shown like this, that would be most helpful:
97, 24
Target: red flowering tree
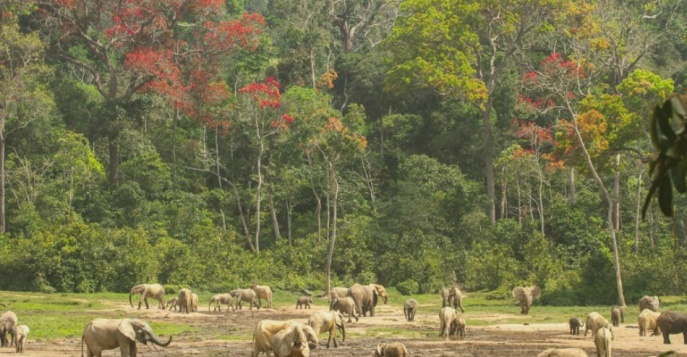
170, 47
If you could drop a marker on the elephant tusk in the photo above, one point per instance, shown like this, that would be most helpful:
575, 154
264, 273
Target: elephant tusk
152, 346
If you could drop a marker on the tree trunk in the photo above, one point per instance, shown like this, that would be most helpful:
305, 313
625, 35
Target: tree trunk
332, 239
3, 224
318, 200
638, 211
275, 221
113, 168
258, 189
503, 195
489, 160
616, 195
289, 213
571, 185
609, 218
541, 199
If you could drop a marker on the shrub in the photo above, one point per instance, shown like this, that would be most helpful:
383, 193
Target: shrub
408, 287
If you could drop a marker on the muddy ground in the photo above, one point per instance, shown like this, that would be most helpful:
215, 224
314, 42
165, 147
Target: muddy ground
421, 338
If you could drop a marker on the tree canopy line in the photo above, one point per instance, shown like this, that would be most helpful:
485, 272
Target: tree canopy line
413, 143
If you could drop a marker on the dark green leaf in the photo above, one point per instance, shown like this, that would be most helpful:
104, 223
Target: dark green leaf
677, 173
665, 196
663, 119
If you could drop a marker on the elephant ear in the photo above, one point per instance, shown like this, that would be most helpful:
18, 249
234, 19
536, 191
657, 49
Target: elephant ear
375, 297
126, 328
519, 292
536, 291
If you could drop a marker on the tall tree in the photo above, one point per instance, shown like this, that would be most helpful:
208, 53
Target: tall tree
462, 48
124, 48
23, 74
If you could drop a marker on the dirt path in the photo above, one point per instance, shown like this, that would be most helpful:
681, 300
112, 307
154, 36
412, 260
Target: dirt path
420, 337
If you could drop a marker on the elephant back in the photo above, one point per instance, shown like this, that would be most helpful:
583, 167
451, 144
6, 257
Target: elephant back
365, 297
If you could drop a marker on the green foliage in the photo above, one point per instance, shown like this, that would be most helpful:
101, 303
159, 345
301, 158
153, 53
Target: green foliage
408, 287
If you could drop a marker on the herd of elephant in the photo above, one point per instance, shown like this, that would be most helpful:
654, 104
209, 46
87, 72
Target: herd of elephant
649, 319
289, 338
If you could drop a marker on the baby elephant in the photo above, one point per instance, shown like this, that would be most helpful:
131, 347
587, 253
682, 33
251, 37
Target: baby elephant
394, 349
172, 304
303, 301
458, 327
563, 352
575, 324
20, 334
617, 316
409, 308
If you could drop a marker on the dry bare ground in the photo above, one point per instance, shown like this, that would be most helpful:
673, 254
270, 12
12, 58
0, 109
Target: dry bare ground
512, 340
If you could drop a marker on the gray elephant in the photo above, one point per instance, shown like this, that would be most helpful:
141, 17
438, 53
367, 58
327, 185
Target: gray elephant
345, 306
444, 297
291, 341
366, 297
155, 291
20, 334
328, 321
603, 343
8, 320
303, 302
194, 302
394, 349
108, 334
617, 316
409, 309
245, 295
338, 292
263, 292
172, 304
265, 330
525, 297
458, 327
648, 302
671, 322
575, 324
563, 352
220, 299
455, 296
447, 320
184, 300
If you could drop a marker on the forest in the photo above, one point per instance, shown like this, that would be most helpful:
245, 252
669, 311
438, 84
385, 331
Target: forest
315, 143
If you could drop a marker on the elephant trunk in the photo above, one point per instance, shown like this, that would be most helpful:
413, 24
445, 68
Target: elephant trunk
132, 305
156, 340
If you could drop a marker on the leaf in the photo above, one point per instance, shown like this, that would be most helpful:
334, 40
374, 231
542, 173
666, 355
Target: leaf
677, 173
663, 119
665, 196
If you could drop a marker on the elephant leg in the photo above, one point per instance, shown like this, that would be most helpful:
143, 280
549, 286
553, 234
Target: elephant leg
666, 338
684, 337
146, 301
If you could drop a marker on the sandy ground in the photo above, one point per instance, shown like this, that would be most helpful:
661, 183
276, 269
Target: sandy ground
510, 340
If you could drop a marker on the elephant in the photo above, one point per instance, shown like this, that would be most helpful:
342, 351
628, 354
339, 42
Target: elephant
266, 329
155, 291
20, 334
263, 292
328, 321
337, 292
172, 304
617, 316
671, 322
194, 302
8, 320
291, 342
594, 322
602, 340
345, 305
647, 321
447, 318
394, 349
563, 352
525, 296
444, 297
456, 296
575, 324
108, 334
648, 302
220, 299
247, 295
365, 297
184, 300
409, 309
458, 328
303, 302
